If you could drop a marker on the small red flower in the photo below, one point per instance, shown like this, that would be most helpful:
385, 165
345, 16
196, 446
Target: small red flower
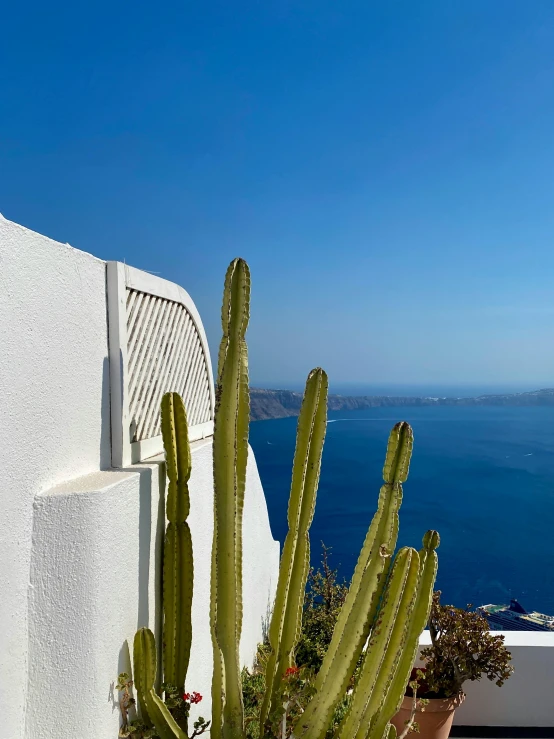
186, 696
195, 697
292, 671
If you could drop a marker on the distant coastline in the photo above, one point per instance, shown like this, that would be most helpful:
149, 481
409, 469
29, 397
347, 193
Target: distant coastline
266, 404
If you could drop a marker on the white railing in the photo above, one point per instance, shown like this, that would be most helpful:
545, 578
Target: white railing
157, 344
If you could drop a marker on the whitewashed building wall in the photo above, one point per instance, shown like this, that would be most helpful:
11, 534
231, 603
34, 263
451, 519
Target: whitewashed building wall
80, 540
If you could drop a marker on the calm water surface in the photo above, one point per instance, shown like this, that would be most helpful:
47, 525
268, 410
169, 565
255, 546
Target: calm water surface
483, 477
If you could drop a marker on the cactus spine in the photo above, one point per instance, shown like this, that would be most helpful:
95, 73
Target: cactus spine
230, 452
178, 561
286, 621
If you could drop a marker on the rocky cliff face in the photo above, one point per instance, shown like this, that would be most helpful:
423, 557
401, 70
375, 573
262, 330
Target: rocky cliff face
266, 404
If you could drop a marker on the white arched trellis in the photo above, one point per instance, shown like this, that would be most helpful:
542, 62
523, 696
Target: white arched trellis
157, 344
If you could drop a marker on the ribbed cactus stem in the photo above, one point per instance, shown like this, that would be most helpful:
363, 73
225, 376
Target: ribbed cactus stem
393, 650
398, 681
144, 668
230, 453
153, 708
360, 607
384, 639
286, 621
178, 558
399, 454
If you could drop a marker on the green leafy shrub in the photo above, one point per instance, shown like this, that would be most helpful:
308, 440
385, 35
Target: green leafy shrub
325, 595
462, 648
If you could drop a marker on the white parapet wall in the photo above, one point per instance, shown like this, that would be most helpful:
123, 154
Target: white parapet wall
81, 541
525, 700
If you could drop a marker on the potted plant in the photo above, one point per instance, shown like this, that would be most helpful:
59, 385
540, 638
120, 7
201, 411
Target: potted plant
462, 648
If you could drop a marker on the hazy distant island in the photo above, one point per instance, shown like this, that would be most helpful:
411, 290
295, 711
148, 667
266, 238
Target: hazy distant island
265, 404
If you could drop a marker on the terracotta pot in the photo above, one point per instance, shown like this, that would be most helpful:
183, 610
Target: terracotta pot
434, 722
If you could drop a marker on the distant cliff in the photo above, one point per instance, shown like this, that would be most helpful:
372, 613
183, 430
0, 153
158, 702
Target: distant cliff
266, 404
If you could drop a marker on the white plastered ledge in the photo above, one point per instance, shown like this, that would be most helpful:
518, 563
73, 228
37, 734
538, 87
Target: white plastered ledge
525, 700
95, 572
95, 579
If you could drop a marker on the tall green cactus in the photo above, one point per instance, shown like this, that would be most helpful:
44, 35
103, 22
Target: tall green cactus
177, 580
286, 621
385, 613
388, 601
178, 560
230, 452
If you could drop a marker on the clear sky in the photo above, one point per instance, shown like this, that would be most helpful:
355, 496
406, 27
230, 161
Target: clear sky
386, 168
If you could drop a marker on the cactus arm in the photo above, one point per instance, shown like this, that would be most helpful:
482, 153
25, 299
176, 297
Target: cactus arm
399, 454
144, 668
218, 678
177, 456
243, 424
397, 595
230, 450
286, 618
392, 656
226, 308
389, 732
364, 593
360, 607
177, 602
178, 559
420, 617
165, 724
153, 709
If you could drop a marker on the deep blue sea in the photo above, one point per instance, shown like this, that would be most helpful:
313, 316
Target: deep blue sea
482, 476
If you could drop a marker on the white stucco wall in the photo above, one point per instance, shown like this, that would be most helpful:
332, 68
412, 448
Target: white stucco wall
80, 543
92, 581
54, 413
95, 579
526, 698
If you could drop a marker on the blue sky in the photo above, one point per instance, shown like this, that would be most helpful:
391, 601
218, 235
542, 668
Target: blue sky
387, 169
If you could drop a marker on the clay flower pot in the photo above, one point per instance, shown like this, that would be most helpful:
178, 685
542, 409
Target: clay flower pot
435, 721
